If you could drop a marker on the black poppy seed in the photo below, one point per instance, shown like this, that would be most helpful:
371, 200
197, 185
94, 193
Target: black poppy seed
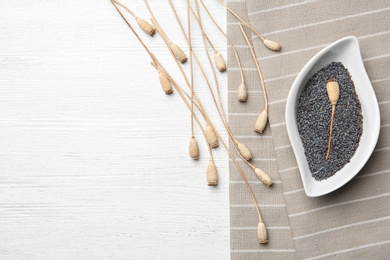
313, 116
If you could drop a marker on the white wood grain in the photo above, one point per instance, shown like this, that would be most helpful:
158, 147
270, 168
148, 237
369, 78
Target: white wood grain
93, 155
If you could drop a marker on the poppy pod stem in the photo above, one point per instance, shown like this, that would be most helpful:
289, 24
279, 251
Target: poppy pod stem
144, 25
220, 108
242, 91
175, 49
125, 7
218, 58
272, 45
131, 28
204, 113
333, 90
191, 67
262, 120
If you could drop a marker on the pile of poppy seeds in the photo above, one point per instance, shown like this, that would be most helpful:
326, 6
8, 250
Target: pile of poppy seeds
313, 116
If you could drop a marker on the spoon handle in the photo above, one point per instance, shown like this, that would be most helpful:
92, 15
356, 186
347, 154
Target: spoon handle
330, 132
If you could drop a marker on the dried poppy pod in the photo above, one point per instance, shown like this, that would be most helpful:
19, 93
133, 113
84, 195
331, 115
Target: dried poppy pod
211, 137
219, 61
262, 233
244, 151
261, 121
333, 90
179, 53
145, 26
212, 175
194, 149
272, 45
265, 178
242, 93
165, 83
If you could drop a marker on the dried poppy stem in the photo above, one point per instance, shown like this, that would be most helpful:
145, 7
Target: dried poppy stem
218, 58
261, 232
241, 147
145, 26
192, 82
194, 150
131, 27
220, 110
180, 67
188, 9
333, 90
211, 174
191, 70
165, 84
212, 140
157, 64
204, 113
242, 150
272, 45
125, 7
177, 51
261, 121
242, 93
220, 64
214, 144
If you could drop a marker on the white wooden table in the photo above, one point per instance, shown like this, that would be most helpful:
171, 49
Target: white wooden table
93, 156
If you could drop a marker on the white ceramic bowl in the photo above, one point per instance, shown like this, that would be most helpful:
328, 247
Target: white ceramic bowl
347, 52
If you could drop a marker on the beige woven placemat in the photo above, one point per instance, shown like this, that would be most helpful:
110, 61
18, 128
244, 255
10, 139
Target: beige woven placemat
352, 222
